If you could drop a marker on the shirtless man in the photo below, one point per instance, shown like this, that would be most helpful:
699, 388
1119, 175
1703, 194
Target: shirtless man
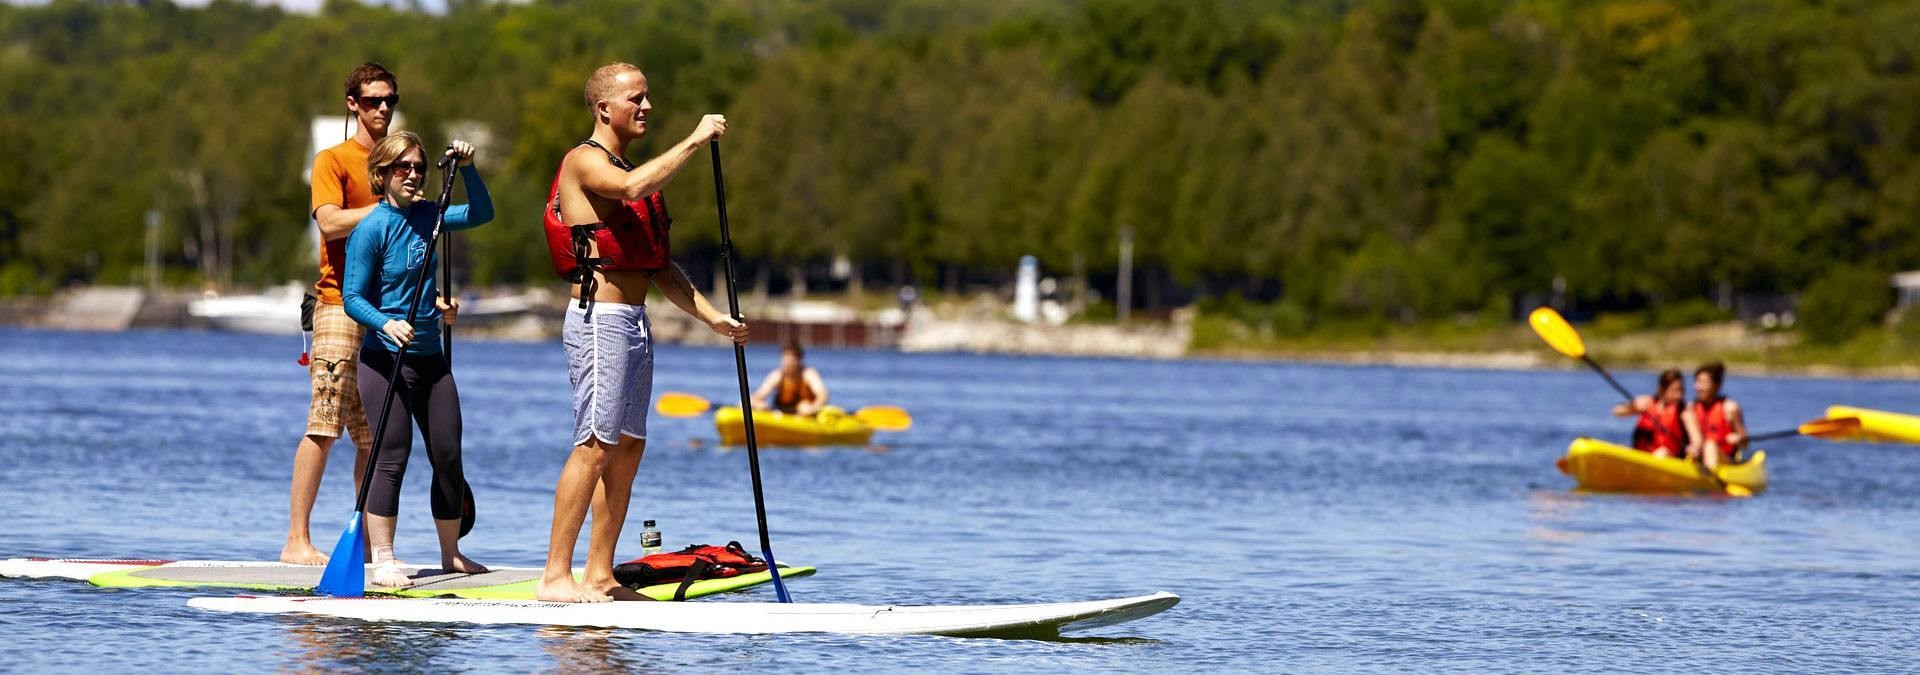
606, 227
341, 197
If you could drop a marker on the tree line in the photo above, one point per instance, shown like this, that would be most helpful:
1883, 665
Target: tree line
1390, 158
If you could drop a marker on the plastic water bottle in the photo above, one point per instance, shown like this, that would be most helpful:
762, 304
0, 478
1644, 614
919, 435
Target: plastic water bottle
649, 539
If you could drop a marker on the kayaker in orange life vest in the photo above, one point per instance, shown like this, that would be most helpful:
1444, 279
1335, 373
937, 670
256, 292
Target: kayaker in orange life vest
1723, 431
1666, 424
794, 388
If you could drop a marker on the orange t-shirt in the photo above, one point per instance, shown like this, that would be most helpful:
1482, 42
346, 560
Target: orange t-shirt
340, 179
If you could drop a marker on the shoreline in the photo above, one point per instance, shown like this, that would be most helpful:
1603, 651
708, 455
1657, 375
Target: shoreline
980, 326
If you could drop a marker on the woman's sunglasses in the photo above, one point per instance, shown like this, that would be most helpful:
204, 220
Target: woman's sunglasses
403, 169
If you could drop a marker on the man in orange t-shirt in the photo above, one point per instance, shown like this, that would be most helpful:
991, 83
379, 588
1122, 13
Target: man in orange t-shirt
341, 197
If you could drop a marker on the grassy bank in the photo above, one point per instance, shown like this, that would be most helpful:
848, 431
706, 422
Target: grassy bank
1617, 340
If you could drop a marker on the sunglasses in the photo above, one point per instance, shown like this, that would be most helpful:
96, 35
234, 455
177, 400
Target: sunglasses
403, 169
374, 102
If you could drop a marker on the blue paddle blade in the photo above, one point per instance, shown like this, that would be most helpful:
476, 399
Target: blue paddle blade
346, 573
779, 585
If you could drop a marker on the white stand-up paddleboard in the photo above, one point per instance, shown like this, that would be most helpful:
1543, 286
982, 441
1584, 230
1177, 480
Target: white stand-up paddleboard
1013, 621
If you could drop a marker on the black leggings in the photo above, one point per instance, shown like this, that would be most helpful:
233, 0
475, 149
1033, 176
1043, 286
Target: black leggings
427, 395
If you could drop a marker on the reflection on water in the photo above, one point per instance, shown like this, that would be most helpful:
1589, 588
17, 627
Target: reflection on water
593, 650
333, 645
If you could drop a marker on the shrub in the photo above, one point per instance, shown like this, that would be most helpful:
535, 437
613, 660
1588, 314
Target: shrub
1841, 304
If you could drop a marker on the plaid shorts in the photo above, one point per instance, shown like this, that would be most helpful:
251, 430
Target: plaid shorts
334, 373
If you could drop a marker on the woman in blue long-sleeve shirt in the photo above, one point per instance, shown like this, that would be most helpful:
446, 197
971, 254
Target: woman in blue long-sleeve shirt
383, 255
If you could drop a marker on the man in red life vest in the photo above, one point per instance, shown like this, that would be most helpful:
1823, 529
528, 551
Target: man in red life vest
1723, 430
794, 388
606, 226
1665, 426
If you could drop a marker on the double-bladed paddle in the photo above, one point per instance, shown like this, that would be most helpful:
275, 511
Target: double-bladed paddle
881, 417
1560, 335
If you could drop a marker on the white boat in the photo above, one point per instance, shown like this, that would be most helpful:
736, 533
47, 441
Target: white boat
1008, 621
274, 311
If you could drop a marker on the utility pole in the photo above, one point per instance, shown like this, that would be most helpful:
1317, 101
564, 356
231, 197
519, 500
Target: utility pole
1123, 294
153, 250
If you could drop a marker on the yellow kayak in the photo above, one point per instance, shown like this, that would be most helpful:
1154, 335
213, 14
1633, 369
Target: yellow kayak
833, 426
1878, 426
1604, 467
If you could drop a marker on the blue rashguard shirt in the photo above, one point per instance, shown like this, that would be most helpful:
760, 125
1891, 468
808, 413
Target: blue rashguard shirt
384, 253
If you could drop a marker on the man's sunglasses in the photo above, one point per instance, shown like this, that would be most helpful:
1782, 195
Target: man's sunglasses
373, 102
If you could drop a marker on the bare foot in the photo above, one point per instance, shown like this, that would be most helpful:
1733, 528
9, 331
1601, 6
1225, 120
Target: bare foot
461, 563
567, 590
622, 593
615, 590
389, 574
302, 554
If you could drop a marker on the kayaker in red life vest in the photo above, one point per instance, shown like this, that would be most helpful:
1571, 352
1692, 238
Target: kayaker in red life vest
1723, 431
1665, 425
794, 388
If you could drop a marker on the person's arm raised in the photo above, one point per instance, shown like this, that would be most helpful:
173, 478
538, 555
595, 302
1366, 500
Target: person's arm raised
479, 207
607, 180
1638, 405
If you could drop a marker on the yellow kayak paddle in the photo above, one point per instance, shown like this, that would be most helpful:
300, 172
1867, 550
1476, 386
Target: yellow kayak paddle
880, 417
1820, 428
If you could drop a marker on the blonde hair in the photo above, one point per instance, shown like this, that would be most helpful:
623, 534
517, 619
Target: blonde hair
601, 84
385, 154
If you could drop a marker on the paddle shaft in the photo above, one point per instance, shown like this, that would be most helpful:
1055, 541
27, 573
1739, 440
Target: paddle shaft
740, 367
413, 312
446, 275
1823, 427
1603, 373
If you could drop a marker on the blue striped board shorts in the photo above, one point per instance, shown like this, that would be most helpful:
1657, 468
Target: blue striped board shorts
610, 362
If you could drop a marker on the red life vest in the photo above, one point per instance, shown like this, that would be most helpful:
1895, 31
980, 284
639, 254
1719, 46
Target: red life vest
633, 238
686, 566
1713, 422
1659, 427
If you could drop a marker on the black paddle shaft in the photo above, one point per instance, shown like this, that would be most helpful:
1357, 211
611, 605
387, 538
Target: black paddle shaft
413, 312
1603, 373
446, 276
740, 366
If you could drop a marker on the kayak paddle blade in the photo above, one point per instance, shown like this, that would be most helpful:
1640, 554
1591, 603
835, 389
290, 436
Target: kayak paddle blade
681, 404
1557, 332
884, 417
1830, 427
346, 573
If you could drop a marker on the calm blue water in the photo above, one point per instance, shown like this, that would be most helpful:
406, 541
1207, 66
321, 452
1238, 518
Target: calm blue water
1314, 518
